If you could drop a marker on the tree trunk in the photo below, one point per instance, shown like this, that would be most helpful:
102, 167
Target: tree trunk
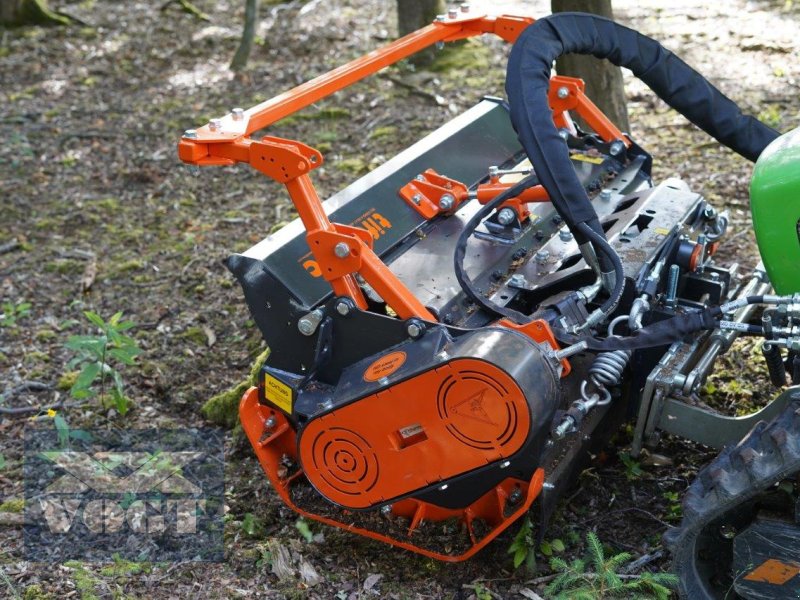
415, 14
29, 12
603, 80
242, 55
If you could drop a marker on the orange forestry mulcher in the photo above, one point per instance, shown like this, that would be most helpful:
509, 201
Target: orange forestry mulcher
452, 332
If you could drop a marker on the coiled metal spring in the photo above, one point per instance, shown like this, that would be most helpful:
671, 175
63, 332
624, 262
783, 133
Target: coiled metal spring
606, 369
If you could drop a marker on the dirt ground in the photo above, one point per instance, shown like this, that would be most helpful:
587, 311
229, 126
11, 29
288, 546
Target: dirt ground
92, 191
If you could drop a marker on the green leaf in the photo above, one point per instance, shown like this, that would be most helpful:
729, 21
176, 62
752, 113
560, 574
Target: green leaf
545, 548
304, 530
125, 355
62, 428
249, 524
95, 318
86, 377
558, 545
519, 556
115, 318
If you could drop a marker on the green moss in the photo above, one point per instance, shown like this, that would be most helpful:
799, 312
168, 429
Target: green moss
383, 132
129, 265
195, 334
84, 581
67, 380
65, 266
13, 505
46, 335
223, 409
35, 592
36, 356
124, 568
469, 56
356, 166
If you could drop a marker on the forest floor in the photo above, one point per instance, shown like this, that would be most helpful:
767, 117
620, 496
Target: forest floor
107, 219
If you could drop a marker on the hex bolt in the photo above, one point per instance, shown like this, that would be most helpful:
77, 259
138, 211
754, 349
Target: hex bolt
494, 171
542, 256
605, 195
238, 114
270, 423
440, 18
518, 280
215, 124
416, 199
672, 286
341, 250
343, 307
447, 201
506, 216
452, 13
515, 496
307, 324
562, 92
386, 509
415, 329
190, 134
616, 147
465, 7
565, 235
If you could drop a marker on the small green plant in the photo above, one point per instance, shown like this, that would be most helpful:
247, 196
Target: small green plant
305, 530
524, 545
13, 312
97, 355
575, 580
633, 470
674, 509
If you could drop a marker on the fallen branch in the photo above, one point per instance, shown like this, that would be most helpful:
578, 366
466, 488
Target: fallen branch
187, 7
642, 561
10, 246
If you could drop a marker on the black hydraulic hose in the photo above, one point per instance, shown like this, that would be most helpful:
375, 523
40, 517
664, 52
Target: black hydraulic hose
680, 86
461, 249
600, 243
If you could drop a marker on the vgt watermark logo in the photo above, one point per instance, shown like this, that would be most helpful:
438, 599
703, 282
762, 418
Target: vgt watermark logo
145, 494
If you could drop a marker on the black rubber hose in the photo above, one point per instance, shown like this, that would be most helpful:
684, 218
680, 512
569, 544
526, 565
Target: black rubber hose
680, 86
600, 243
461, 250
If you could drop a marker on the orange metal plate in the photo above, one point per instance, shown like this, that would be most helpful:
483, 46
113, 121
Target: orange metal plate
470, 414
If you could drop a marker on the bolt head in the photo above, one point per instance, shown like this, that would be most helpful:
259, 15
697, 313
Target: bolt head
562, 92
542, 256
565, 235
452, 13
416, 199
215, 124
506, 216
341, 250
515, 496
190, 134
605, 195
447, 201
386, 509
271, 422
465, 7
305, 326
343, 308
494, 171
616, 147
238, 114
440, 18
414, 330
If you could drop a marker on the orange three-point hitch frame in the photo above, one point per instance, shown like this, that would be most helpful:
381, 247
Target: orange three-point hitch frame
344, 251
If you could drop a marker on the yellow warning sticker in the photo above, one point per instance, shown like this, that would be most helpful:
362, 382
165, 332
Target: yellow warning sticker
595, 160
661, 231
278, 393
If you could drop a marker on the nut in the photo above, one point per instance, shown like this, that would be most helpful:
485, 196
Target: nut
562, 92
238, 114
341, 250
447, 201
506, 216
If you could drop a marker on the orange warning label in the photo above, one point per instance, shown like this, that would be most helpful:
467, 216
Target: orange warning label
385, 366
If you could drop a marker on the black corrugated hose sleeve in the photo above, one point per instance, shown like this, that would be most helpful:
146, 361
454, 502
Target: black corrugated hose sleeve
680, 86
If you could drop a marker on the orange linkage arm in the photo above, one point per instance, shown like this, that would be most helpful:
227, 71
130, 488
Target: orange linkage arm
341, 251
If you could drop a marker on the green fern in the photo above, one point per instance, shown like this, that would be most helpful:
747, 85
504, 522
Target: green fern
574, 582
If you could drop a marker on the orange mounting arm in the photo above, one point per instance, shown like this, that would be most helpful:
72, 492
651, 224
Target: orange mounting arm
342, 251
